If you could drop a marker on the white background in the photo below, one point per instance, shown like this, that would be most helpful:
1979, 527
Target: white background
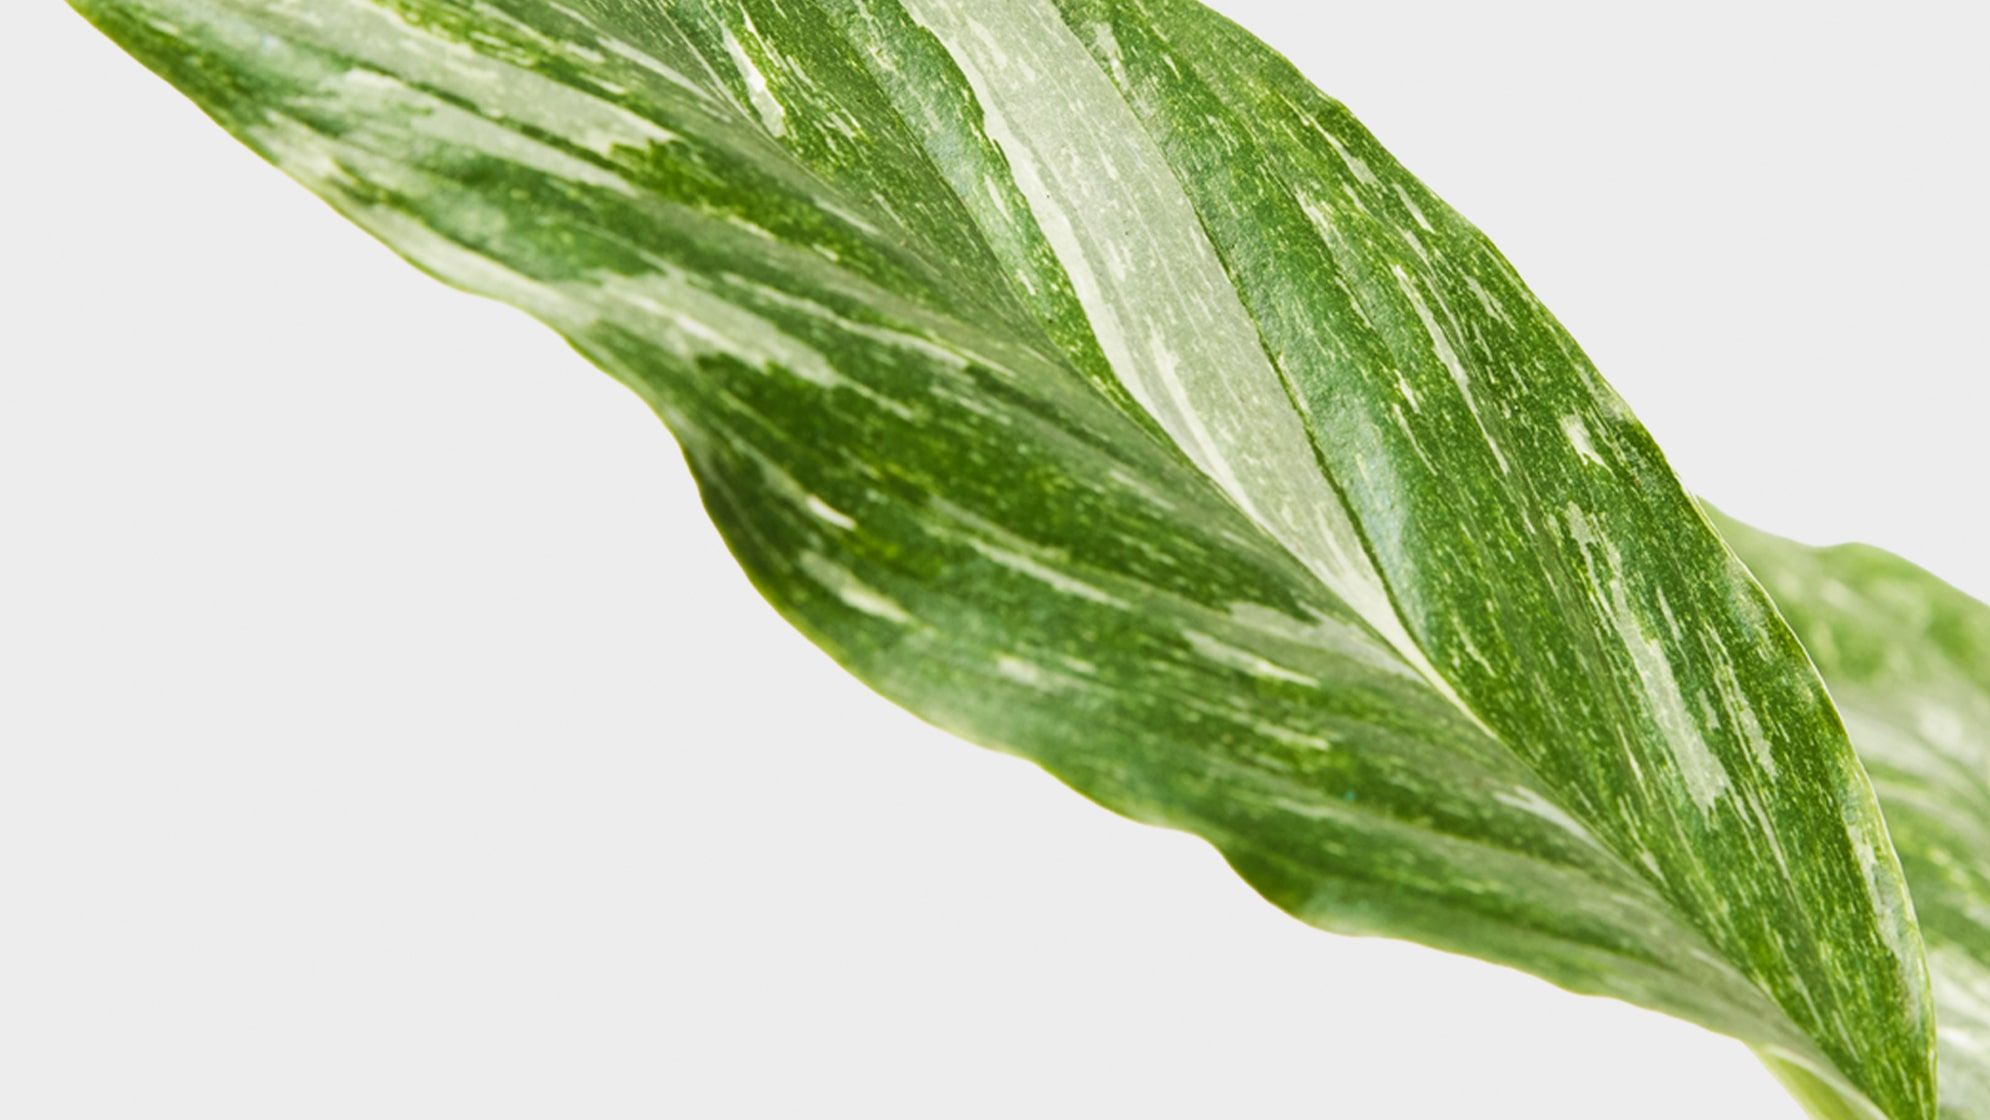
385, 732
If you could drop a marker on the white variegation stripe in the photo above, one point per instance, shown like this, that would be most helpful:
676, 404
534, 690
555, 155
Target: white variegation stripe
1157, 296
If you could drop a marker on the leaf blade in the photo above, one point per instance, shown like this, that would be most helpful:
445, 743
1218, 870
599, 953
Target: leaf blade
1907, 658
918, 342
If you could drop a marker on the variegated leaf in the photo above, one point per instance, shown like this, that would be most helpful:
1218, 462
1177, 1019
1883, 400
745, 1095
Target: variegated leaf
1087, 382
1907, 658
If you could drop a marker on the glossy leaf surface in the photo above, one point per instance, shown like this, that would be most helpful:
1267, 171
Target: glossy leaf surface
1087, 382
1907, 658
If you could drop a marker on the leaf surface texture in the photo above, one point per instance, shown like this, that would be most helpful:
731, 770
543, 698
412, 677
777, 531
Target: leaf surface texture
1085, 381
1907, 658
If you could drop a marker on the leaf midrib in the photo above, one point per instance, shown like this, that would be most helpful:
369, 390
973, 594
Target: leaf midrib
1040, 346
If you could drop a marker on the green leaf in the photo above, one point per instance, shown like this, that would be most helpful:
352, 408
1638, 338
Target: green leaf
1907, 658
1088, 383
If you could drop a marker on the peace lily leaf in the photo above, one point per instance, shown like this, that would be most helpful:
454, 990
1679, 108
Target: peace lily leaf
1908, 661
1088, 383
